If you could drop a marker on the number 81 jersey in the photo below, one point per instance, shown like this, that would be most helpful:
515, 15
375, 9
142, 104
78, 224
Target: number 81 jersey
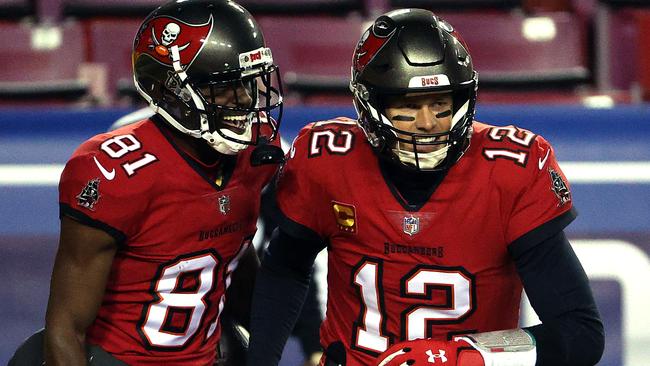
180, 227
397, 271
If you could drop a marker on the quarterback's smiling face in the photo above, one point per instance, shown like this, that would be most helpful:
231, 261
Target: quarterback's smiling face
421, 113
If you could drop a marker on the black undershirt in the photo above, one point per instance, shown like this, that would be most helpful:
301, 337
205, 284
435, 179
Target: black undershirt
411, 187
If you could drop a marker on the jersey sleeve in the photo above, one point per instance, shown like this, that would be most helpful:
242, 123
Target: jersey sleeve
94, 190
300, 201
543, 204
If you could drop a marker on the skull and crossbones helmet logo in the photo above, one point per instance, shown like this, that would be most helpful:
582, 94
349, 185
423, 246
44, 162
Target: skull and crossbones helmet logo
170, 33
168, 36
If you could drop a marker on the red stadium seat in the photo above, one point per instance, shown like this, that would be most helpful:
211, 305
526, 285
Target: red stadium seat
115, 8
456, 5
314, 53
42, 63
510, 49
302, 7
643, 21
618, 48
622, 57
140, 8
110, 42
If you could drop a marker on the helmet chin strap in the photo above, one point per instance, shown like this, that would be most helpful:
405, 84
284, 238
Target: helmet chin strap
214, 139
460, 113
226, 146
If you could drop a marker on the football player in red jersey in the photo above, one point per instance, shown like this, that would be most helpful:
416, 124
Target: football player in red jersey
433, 222
157, 217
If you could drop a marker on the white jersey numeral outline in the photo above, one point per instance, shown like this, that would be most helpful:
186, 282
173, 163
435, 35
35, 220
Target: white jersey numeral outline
517, 136
169, 299
369, 332
126, 144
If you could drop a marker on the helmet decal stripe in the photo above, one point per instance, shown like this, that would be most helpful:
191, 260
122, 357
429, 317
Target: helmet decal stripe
462, 111
367, 48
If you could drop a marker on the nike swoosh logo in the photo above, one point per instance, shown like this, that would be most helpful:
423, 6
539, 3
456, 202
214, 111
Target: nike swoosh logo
109, 175
543, 161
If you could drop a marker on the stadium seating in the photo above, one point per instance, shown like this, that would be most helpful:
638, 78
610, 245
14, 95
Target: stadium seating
534, 6
643, 19
515, 50
622, 58
15, 9
140, 8
109, 44
314, 53
543, 52
456, 5
633, 3
617, 54
302, 7
103, 8
42, 63
513, 42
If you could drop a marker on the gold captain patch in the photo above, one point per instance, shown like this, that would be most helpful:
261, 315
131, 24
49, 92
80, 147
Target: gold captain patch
346, 217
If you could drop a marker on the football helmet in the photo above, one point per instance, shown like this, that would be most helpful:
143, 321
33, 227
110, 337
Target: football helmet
413, 51
204, 67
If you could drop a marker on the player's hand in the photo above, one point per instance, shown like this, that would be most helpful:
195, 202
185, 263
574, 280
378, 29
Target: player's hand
427, 352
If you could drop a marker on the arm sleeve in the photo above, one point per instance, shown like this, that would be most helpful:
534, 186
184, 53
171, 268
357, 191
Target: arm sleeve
571, 333
280, 290
308, 325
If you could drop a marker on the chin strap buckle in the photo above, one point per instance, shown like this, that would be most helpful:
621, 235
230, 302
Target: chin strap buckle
265, 153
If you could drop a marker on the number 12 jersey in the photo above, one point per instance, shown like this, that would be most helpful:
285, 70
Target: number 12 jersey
397, 271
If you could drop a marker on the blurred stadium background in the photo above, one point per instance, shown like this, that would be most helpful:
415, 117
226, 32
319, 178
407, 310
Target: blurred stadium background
575, 71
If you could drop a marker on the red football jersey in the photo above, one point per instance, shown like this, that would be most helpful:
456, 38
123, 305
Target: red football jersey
397, 272
181, 226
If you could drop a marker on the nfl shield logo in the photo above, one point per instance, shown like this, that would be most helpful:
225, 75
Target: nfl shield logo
224, 204
411, 225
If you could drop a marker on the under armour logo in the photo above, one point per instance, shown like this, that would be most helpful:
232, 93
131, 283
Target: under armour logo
433, 356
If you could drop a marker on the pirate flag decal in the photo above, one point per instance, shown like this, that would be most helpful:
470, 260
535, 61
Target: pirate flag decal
559, 187
160, 34
372, 41
89, 195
